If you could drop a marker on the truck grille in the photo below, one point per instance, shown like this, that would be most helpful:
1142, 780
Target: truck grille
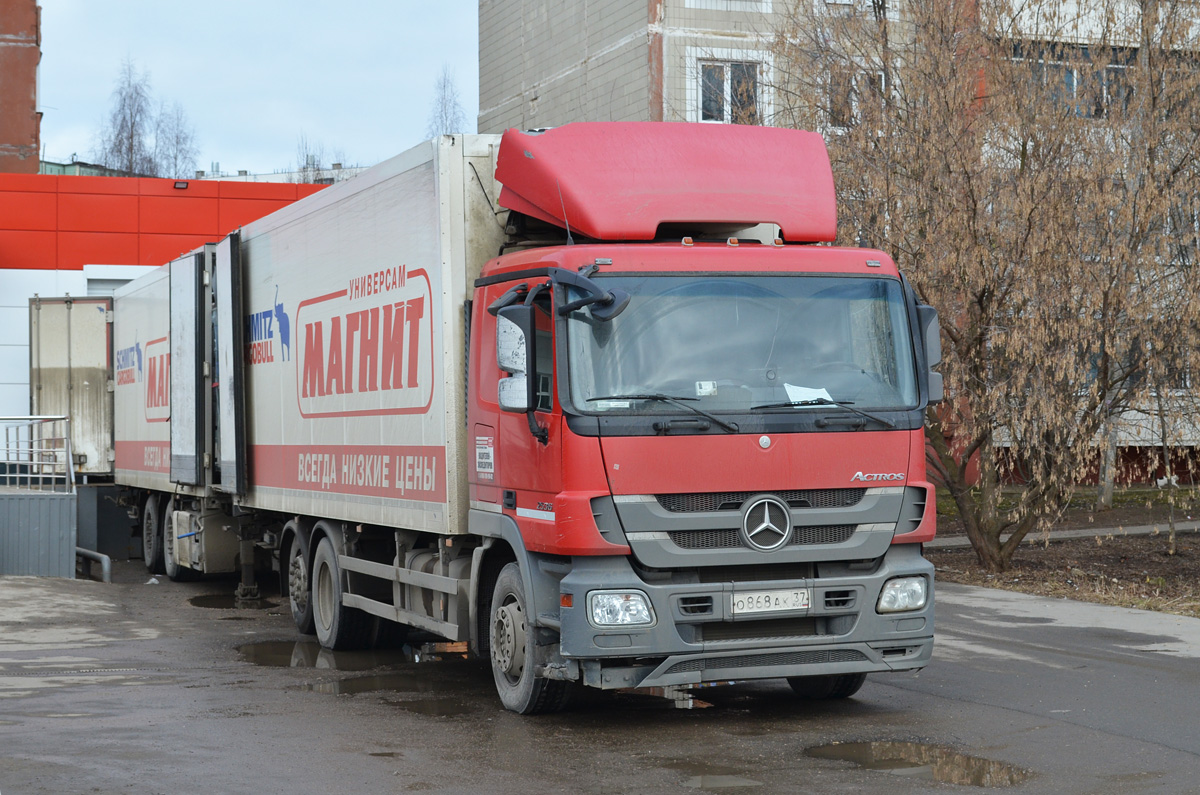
707, 502
771, 629
730, 539
767, 659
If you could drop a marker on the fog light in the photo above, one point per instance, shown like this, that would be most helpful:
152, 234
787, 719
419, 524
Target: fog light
902, 594
620, 609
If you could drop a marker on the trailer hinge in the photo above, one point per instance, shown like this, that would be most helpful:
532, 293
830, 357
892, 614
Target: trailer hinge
205, 369
110, 385
111, 455
206, 278
108, 316
207, 460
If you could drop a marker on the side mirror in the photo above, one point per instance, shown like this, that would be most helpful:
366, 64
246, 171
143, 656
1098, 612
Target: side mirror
515, 356
931, 336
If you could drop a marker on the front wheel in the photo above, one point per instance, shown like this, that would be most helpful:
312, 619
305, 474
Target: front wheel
338, 627
512, 651
821, 688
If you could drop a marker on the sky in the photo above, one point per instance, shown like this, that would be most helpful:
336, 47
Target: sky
355, 78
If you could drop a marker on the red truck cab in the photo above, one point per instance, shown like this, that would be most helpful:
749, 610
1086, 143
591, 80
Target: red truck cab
707, 450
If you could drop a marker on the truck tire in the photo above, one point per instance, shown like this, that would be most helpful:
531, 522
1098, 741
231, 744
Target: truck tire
152, 538
171, 567
337, 626
299, 584
511, 639
821, 688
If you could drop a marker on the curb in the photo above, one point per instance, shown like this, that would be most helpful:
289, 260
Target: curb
962, 542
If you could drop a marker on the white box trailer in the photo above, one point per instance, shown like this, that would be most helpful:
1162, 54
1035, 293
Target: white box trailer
334, 331
69, 357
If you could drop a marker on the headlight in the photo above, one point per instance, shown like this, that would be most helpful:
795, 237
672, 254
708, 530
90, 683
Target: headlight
902, 594
620, 609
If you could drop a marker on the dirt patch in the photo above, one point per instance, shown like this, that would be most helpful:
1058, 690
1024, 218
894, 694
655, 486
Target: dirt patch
1129, 571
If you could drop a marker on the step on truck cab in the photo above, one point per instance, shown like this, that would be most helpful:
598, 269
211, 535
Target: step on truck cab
599, 400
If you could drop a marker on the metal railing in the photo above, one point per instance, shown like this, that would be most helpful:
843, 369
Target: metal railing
36, 454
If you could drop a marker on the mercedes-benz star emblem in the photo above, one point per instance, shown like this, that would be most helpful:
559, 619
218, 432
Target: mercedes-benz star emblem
766, 523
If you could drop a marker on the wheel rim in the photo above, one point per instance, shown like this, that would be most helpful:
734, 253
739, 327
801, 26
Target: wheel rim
168, 542
324, 596
149, 532
298, 581
508, 639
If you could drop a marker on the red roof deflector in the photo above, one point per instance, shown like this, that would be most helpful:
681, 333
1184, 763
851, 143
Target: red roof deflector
620, 180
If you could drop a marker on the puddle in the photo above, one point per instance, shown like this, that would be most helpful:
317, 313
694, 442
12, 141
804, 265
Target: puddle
227, 601
309, 654
707, 776
368, 684
924, 762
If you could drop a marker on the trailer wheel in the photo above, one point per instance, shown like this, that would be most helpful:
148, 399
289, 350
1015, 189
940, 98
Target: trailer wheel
152, 539
299, 590
821, 688
337, 626
171, 567
512, 651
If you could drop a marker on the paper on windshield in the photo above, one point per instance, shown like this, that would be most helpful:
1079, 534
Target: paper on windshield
799, 394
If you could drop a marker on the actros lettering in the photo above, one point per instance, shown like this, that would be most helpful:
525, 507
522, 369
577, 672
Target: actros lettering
876, 476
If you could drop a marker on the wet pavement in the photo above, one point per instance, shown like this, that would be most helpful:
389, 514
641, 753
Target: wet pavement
168, 687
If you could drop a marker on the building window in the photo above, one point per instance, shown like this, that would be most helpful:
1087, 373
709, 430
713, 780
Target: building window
728, 86
1078, 80
729, 92
855, 96
731, 6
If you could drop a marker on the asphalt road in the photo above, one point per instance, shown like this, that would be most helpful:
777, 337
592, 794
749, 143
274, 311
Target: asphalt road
138, 688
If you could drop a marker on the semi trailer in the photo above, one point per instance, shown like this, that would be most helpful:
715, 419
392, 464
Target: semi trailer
601, 401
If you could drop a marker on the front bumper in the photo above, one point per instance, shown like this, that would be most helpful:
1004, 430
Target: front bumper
696, 638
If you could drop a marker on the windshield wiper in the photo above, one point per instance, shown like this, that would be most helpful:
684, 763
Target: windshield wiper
826, 402
673, 400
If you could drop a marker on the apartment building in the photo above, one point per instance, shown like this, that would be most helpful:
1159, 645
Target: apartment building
543, 64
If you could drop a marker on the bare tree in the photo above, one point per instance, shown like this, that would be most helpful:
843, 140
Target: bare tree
1022, 163
446, 115
137, 139
125, 141
174, 143
313, 165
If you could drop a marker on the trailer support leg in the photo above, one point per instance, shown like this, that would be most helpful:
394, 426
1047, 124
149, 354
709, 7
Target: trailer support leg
247, 589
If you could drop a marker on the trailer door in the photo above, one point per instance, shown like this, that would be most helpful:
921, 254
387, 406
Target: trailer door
229, 413
187, 362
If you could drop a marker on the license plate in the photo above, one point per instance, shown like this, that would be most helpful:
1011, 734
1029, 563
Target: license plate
768, 601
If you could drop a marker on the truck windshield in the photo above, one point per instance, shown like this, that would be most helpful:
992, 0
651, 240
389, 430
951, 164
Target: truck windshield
739, 342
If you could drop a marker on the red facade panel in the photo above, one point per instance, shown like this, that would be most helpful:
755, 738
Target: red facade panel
282, 191
179, 216
49, 222
239, 212
161, 249
117, 185
30, 183
21, 210
76, 249
196, 188
27, 249
97, 212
